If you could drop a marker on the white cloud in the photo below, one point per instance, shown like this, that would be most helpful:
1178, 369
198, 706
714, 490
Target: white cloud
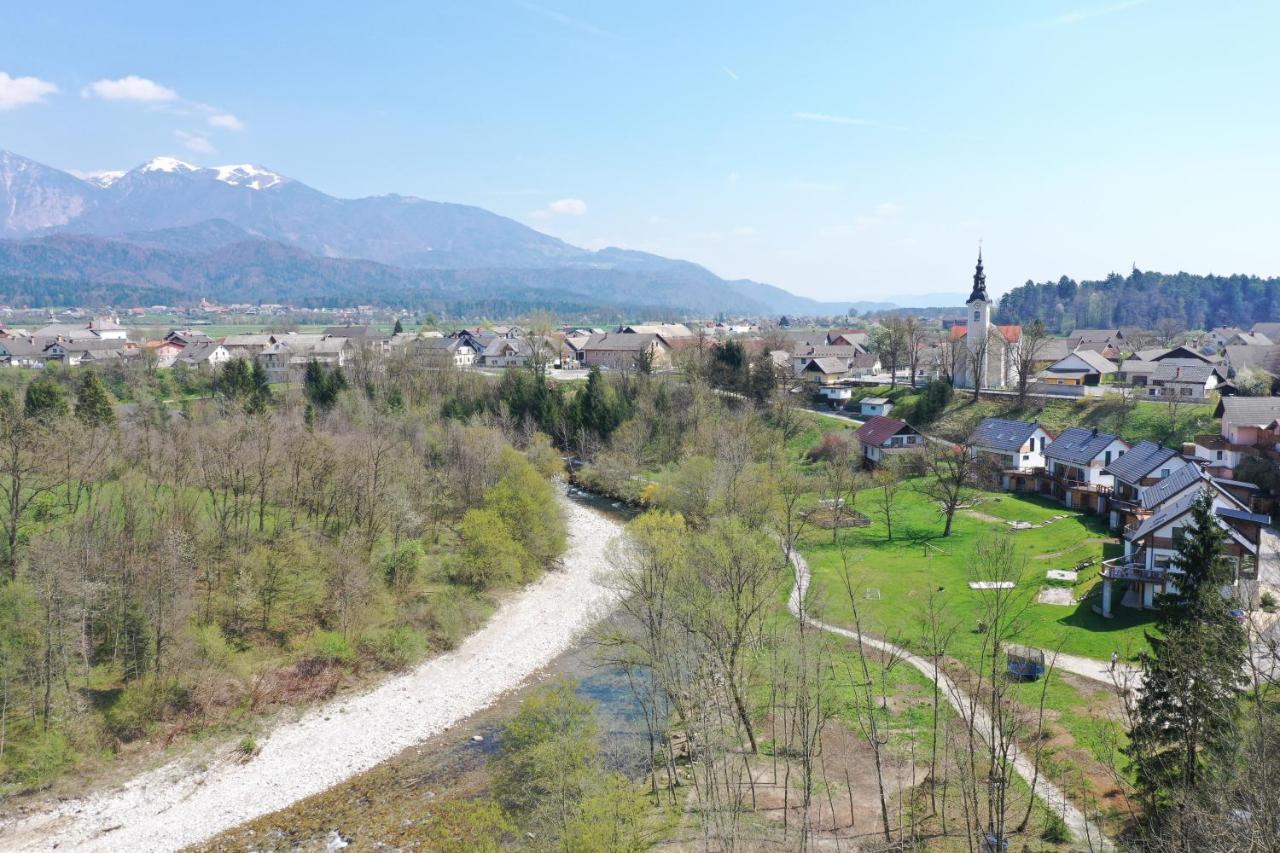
21, 91
1079, 15
827, 118
194, 142
568, 207
226, 121
131, 88
727, 70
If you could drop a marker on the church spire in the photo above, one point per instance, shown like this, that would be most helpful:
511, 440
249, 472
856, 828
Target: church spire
979, 293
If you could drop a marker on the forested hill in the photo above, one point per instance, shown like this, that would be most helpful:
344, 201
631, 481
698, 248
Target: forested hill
1144, 299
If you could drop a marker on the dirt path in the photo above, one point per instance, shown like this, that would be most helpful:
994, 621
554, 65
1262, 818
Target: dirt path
180, 804
1094, 540
1085, 831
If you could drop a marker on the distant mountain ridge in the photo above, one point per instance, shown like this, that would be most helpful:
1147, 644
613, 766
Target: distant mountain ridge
248, 233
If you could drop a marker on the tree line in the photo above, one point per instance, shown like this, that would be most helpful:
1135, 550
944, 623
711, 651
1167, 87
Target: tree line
1143, 299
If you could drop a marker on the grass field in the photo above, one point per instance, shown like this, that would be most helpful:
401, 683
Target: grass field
919, 561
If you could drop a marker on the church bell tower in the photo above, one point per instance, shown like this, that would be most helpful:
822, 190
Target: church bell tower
979, 322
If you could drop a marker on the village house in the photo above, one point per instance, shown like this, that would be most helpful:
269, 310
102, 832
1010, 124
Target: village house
1184, 378
837, 395
882, 437
624, 351
98, 329
1016, 447
249, 346
287, 359
1109, 343
1075, 463
864, 364
72, 353
1151, 546
870, 407
823, 371
203, 356
1248, 428
21, 352
507, 352
1081, 367
1145, 465
454, 351
366, 337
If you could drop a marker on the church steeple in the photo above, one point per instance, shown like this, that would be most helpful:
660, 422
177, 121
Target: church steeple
979, 293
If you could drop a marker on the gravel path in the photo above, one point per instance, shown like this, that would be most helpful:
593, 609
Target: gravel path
1085, 831
179, 804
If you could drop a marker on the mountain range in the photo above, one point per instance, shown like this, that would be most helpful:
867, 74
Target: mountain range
171, 232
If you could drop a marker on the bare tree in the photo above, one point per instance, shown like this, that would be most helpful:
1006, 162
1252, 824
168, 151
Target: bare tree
886, 482
1027, 355
951, 471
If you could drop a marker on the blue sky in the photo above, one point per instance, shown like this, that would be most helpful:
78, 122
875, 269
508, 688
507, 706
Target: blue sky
844, 150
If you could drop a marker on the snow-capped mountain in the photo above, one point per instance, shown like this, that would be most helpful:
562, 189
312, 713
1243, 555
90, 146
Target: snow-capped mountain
156, 214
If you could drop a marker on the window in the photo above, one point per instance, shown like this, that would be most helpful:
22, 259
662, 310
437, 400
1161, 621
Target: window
977, 315
1179, 533
1219, 454
1108, 462
1164, 472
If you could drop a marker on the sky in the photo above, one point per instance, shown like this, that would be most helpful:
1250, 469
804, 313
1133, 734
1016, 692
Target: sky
842, 150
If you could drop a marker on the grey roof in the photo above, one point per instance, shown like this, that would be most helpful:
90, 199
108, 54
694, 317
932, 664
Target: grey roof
1139, 366
866, 360
1248, 411
198, 352
826, 365
1164, 515
1271, 330
1149, 354
1196, 372
1241, 515
1002, 434
1053, 349
1254, 339
1096, 360
613, 341
1179, 480
1262, 357
519, 346
1139, 461
1095, 336
1078, 446
875, 401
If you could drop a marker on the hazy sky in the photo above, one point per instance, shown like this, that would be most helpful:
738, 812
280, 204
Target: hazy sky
844, 150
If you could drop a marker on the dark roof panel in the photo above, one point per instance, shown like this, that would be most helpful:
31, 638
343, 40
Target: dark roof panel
1002, 434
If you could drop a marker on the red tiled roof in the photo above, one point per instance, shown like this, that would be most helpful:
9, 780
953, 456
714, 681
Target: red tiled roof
1012, 334
876, 431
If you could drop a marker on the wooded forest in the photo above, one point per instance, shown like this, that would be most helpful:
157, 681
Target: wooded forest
1144, 299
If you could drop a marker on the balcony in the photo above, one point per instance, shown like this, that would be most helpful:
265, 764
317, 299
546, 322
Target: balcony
1133, 567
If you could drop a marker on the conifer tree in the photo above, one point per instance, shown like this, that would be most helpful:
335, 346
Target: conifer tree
1193, 676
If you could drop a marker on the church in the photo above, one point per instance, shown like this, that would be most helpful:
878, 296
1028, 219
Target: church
990, 353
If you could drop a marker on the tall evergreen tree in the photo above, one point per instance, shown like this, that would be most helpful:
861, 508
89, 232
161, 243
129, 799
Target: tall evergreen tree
1193, 675
93, 403
45, 399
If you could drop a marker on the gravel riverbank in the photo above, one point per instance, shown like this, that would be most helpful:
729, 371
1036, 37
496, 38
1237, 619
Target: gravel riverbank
180, 804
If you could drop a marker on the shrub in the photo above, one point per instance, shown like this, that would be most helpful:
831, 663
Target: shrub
34, 762
830, 447
396, 648
139, 706
1055, 829
1268, 602
330, 647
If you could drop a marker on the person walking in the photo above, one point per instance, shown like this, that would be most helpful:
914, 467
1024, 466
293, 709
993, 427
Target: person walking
1114, 657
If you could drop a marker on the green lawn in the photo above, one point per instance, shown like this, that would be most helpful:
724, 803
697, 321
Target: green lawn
1147, 420
920, 561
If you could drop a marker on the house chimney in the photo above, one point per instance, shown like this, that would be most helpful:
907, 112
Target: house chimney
1095, 432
